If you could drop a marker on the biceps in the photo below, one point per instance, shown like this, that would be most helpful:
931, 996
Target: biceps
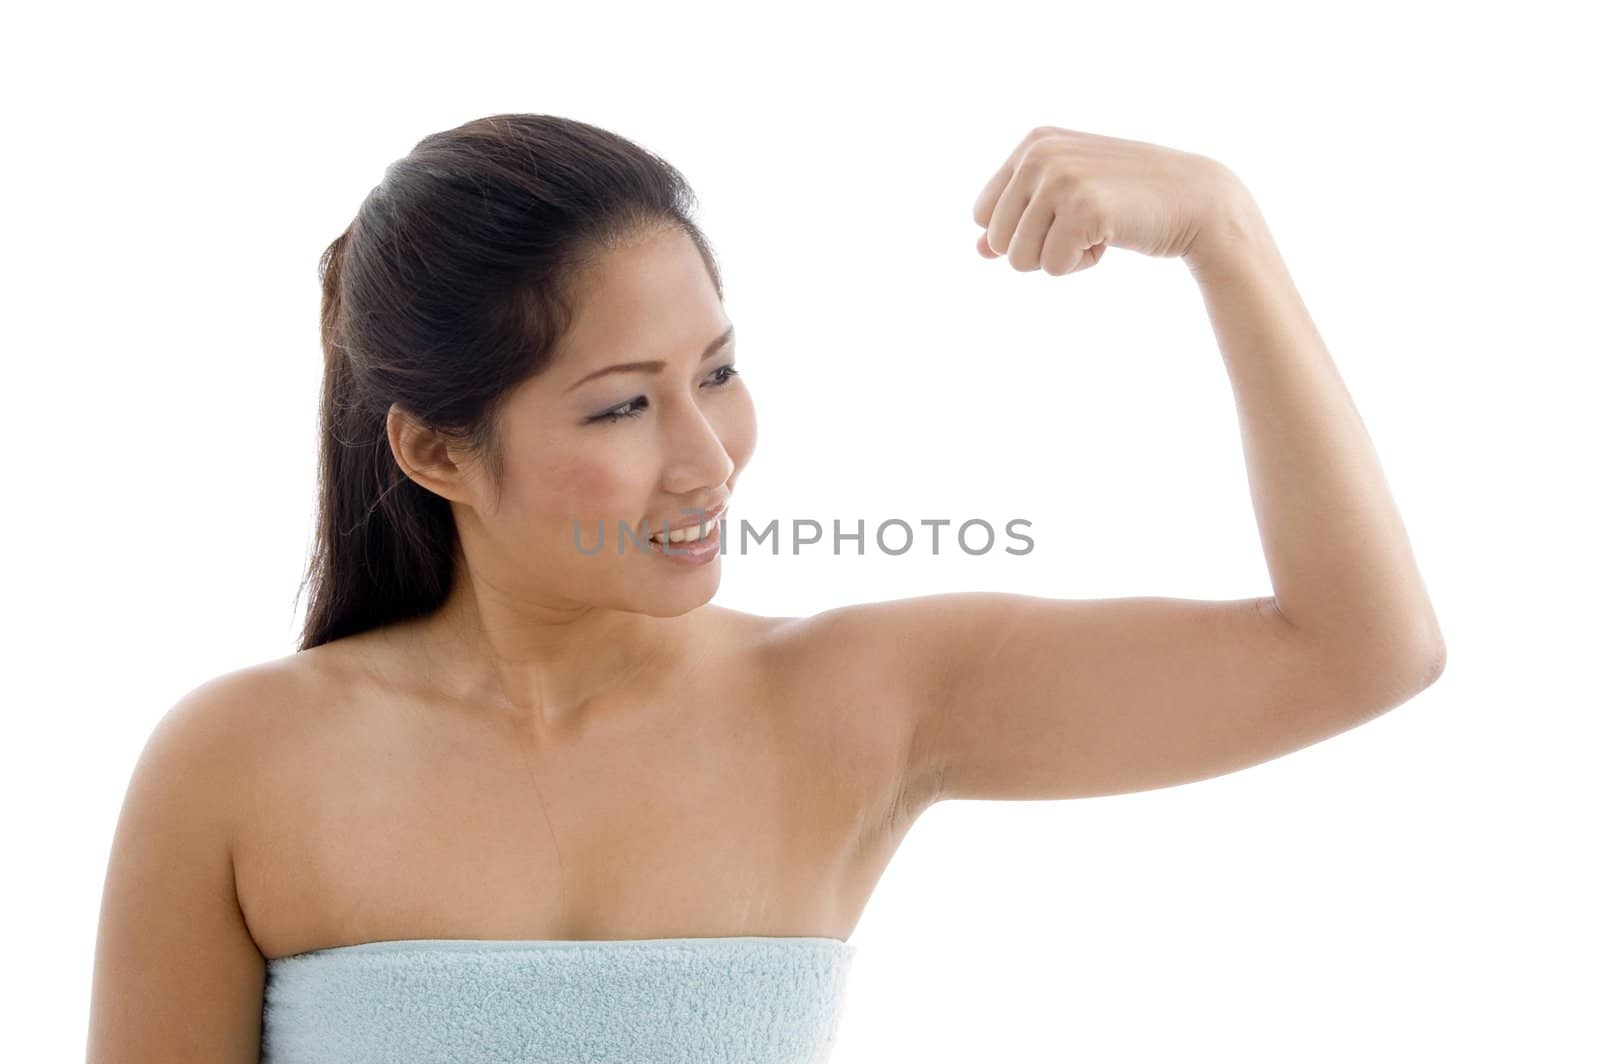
1048, 698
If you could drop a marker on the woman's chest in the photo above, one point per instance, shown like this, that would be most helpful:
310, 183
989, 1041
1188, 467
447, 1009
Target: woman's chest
682, 820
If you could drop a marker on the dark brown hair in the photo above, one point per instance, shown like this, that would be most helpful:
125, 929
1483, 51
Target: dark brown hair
452, 285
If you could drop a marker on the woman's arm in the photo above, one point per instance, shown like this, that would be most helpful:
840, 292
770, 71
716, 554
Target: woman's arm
1018, 697
177, 976
1342, 570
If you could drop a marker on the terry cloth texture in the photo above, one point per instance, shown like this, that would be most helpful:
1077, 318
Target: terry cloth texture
740, 1000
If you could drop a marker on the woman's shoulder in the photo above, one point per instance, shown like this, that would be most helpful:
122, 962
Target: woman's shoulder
237, 707
847, 640
253, 701
802, 653
251, 721
830, 671
209, 752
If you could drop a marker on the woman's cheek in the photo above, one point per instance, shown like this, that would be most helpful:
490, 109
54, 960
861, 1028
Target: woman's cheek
582, 488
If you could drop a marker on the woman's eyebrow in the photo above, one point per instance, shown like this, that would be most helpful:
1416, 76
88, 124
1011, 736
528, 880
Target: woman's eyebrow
653, 365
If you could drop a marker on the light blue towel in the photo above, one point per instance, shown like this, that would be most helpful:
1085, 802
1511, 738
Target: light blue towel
741, 1000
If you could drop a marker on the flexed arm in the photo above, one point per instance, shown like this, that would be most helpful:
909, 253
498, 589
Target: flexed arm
1341, 565
1012, 696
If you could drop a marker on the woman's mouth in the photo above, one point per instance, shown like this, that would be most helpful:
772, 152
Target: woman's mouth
695, 544
703, 527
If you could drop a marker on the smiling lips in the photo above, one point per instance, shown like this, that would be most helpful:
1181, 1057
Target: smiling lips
692, 528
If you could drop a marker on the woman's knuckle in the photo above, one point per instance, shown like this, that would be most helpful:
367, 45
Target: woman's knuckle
1061, 182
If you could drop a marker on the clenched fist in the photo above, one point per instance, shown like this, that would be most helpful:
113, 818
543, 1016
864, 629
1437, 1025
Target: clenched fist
1063, 197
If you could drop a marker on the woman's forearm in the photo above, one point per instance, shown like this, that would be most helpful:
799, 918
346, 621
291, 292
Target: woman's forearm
1341, 565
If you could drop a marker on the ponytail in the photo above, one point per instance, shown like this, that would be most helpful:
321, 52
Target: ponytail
375, 558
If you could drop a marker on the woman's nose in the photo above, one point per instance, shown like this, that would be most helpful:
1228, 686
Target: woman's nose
696, 456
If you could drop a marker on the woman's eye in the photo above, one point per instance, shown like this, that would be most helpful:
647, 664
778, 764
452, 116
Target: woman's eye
632, 408
637, 405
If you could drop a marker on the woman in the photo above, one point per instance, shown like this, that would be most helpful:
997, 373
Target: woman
516, 797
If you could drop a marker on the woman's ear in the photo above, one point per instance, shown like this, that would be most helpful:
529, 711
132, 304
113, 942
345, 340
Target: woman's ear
427, 456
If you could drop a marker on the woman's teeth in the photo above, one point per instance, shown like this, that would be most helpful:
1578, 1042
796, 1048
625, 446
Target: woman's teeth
682, 535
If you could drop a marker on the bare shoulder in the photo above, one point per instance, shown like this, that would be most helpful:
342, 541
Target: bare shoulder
869, 643
234, 722
829, 670
240, 736
812, 655
898, 660
177, 973
236, 707
201, 756
1009, 696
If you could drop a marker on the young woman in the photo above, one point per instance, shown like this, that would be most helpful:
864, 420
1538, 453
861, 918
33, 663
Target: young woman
518, 798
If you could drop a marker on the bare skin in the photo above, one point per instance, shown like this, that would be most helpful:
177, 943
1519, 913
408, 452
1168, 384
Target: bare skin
740, 788
577, 746
586, 748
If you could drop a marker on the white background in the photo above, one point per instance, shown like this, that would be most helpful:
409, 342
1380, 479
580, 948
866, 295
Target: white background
1419, 888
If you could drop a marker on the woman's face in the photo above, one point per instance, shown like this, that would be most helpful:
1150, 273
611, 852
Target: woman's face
591, 445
